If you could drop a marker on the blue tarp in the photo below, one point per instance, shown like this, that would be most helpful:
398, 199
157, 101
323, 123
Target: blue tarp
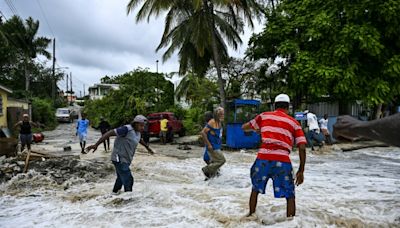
300, 116
239, 102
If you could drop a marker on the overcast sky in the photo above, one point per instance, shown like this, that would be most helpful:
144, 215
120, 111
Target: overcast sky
96, 37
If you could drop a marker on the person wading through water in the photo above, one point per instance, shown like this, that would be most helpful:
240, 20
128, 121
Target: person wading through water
128, 137
81, 131
207, 117
278, 132
212, 135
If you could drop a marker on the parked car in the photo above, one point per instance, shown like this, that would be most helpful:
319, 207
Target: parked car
173, 122
64, 115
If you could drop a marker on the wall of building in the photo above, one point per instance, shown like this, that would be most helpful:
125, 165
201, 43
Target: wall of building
18, 103
3, 114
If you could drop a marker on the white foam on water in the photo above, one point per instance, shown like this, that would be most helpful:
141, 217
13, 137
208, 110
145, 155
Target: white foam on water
353, 189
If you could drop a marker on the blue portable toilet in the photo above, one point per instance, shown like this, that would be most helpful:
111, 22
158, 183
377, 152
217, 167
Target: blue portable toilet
240, 112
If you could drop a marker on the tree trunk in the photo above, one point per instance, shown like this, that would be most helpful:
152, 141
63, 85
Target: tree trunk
26, 76
210, 9
378, 111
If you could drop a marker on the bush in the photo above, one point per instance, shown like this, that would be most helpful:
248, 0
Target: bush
194, 121
43, 112
179, 112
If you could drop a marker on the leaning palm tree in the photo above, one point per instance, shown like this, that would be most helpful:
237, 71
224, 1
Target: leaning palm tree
24, 37
199, 29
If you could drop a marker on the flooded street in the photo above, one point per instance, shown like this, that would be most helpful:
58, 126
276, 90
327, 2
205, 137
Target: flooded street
353, 189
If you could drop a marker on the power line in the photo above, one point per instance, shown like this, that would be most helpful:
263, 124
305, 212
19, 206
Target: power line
74, 77
82, 82
12, 7
45, 18
3, 15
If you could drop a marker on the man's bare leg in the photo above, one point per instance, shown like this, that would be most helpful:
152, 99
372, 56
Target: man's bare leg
253, 202
291, 207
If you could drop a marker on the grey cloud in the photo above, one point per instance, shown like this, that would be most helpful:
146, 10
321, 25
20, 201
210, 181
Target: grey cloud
96, 38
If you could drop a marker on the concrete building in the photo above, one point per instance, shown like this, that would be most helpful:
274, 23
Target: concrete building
98, 91
4, 92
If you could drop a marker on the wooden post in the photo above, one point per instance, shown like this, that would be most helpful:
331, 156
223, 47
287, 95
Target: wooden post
27, 161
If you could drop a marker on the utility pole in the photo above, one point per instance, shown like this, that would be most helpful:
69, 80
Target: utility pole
83, 89
80, 94
70, 78
157, 66
53, 87
66, 91
157, 80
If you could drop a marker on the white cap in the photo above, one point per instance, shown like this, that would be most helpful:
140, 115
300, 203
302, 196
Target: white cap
306, 111
139, 119
282, 98
25, 115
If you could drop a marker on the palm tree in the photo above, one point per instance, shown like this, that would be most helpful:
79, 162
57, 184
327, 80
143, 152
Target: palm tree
24, 37
199, 30
234, 9
196, 89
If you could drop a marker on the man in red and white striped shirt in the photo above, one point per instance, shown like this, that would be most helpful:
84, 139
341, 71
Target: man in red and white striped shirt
279, 132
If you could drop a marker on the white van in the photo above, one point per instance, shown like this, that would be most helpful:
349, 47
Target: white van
64, 115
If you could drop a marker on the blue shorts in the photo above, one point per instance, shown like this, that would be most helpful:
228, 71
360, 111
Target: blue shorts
281, 174
82, 137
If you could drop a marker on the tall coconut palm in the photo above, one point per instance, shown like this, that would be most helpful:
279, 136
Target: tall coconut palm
199, 29
24, 37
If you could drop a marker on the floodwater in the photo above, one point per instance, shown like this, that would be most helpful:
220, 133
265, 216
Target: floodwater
353, 189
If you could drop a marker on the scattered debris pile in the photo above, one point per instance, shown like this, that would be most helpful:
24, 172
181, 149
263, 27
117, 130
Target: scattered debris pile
59, 169
8, 146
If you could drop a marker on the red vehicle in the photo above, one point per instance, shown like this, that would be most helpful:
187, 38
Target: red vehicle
173, 123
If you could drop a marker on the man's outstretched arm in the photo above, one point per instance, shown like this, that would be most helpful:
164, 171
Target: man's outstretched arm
101, 140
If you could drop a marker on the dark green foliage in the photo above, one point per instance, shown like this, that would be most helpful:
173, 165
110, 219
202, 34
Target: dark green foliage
194, 121
349, 50
199, 91
43, 112
141, 92
19, 47
179, 112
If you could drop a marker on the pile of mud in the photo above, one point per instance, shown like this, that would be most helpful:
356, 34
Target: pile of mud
59, 170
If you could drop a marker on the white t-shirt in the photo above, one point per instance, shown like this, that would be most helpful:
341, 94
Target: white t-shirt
324, 123
312, 121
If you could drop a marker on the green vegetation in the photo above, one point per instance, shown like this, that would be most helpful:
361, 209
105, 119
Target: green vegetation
200, 92
331, 50
141, 92
200, 31
194, 121
43, 112
345, 50
20, 70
